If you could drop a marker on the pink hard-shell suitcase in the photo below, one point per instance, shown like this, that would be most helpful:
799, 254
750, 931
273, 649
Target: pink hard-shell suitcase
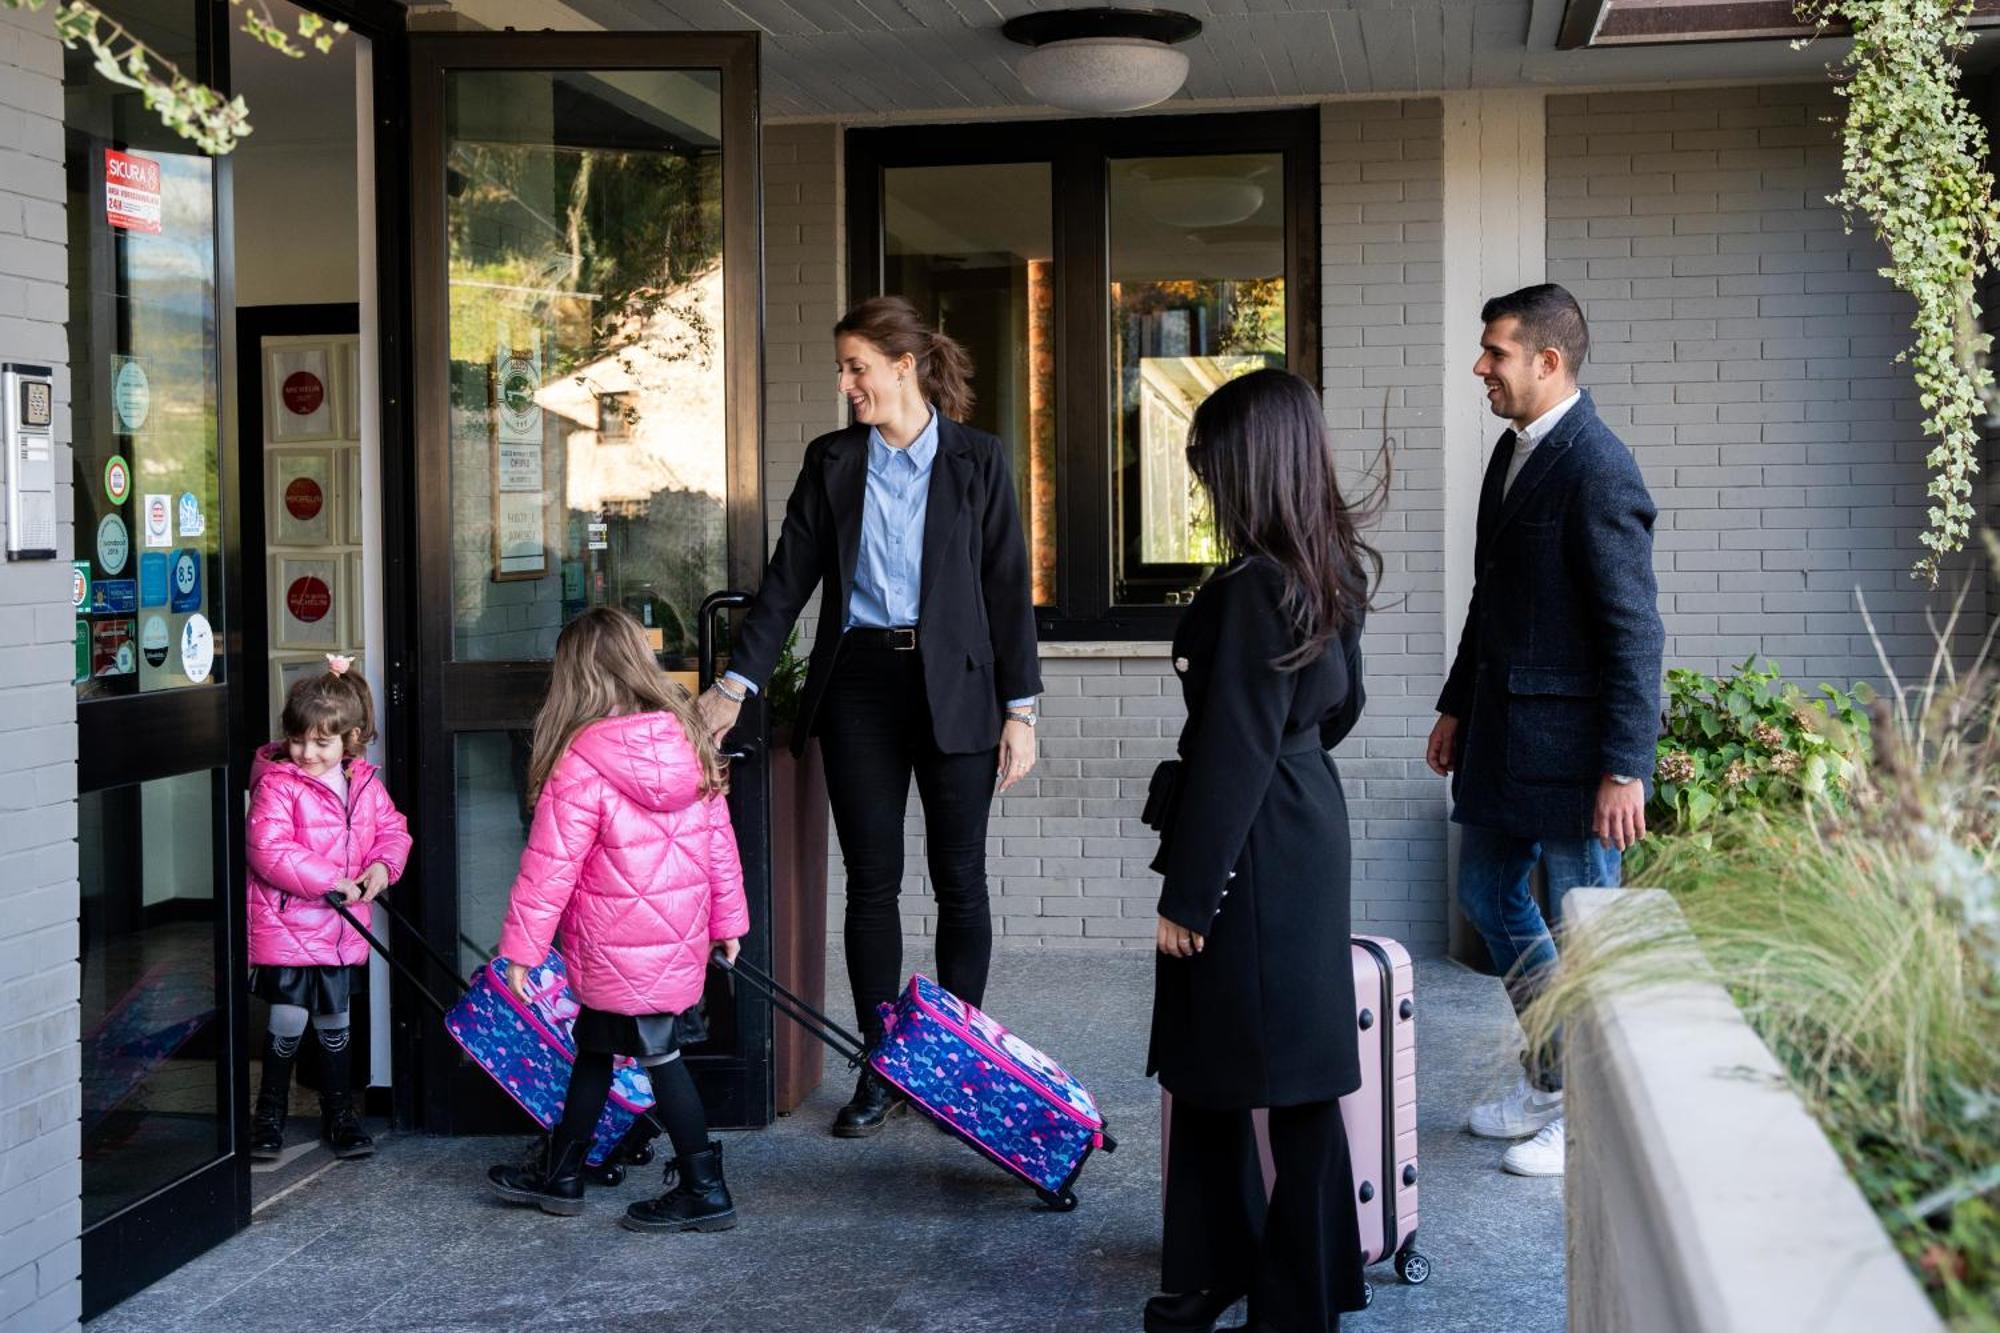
1381, 1115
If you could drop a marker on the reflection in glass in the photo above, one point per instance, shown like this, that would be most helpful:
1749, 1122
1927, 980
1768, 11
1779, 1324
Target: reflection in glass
1197, 298
153, 1103
972, 247
588, 439
143, 367
493, 816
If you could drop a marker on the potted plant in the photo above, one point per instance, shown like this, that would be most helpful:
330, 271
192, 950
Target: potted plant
798, 879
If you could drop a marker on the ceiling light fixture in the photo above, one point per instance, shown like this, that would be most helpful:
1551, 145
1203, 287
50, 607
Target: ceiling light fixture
1102, 60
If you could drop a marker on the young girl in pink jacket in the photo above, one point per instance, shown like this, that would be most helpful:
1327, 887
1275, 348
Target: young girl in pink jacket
632, 861
320, 822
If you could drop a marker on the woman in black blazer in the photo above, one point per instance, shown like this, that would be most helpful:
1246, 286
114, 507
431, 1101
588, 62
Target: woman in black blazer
925, 660
1254, 1000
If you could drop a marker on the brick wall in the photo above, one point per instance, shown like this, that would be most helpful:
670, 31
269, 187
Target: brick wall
1381, 270
1744, 346
40, 1100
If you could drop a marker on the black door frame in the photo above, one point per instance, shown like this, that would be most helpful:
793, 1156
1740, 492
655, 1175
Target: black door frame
128, 740
437, 1089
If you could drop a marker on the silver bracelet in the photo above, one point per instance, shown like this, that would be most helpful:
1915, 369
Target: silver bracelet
723, 688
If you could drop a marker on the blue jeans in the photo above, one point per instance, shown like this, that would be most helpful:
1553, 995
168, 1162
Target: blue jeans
1493, 892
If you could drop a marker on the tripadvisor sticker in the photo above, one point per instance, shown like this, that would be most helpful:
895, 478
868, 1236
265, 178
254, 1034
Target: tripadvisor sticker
153, 641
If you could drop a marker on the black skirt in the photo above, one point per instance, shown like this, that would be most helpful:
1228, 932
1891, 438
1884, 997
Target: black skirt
317, 990
638, 1035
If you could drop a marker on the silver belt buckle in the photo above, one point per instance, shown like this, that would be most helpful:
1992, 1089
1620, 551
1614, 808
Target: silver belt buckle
904, 639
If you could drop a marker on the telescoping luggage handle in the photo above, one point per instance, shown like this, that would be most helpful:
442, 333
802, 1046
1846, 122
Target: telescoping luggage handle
339, 904
842, 1042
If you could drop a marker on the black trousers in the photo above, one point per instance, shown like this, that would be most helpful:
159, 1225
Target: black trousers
875, 733
1299, 1257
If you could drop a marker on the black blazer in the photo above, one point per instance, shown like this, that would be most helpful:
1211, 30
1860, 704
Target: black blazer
976, 605
1557, 679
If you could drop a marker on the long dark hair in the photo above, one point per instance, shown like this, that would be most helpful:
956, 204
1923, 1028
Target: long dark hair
944, 367
1258, 446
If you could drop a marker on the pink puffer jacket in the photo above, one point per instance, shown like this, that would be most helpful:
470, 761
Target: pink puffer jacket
302, 839
637, 870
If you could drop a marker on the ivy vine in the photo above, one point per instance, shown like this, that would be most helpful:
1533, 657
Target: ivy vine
1913, 161
193, 110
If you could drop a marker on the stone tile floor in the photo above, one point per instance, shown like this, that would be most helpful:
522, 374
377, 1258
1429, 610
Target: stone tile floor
907, 1231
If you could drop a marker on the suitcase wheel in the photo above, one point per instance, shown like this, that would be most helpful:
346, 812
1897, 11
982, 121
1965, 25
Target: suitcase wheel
1367, 1294
1057, 1203
1413, 1267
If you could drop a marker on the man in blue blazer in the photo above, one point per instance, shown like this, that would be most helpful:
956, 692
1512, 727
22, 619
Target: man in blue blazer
1548, 720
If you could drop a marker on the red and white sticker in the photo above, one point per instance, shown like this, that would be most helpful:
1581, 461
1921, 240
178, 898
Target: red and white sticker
158, 511
131, 192
304, 499
303, 393
308, 599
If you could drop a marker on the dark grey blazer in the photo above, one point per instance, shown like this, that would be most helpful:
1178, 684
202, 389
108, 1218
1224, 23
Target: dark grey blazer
975, 608
1557, 679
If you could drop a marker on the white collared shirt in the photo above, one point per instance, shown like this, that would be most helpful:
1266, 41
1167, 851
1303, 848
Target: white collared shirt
1532, 434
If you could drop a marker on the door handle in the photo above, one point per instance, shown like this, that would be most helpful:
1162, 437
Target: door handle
713, 605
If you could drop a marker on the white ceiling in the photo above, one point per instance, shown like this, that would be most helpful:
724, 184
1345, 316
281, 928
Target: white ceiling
906, 59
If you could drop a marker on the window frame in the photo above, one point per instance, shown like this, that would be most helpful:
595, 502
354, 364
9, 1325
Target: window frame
1079, 157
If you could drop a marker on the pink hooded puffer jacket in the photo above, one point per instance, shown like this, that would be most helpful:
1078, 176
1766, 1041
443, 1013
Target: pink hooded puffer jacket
302, 839
638, 871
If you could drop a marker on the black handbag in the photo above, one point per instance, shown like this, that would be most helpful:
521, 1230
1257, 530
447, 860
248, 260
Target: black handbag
1162, 795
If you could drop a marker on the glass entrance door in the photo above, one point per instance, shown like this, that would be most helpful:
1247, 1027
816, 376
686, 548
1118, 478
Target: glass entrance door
157, 707
586, 261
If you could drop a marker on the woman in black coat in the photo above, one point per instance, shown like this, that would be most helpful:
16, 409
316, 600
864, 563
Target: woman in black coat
1254, 1001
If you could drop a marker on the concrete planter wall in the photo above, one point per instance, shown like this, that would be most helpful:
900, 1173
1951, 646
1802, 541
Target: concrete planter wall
1701, 1196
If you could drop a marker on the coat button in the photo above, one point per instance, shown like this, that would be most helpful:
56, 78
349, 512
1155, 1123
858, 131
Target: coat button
1180, 664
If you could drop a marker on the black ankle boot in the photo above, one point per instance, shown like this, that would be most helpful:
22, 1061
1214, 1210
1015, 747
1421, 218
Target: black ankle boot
635, 1149
873, 1103
700, 1202
339, 1124
555, 1186
274, 1095
1192, 1310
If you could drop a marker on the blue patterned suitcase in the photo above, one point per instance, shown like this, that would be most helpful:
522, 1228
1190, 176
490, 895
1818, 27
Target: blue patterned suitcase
526, 1048
973, 1077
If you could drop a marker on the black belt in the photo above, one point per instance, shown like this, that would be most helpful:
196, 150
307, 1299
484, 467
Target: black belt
1301, 742
902, 639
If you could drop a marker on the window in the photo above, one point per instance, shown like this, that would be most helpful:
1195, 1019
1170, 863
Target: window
1106, 277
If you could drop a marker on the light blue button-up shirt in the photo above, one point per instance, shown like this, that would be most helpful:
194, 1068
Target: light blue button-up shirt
889, 571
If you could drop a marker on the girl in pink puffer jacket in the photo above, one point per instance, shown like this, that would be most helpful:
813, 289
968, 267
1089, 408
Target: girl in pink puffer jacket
320, 822
631, 859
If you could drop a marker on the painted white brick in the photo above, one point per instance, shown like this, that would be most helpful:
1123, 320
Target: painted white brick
40, 1175
1774, 360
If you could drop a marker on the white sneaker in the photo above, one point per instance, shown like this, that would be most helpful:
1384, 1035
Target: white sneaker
1540, 1156
1522, 1112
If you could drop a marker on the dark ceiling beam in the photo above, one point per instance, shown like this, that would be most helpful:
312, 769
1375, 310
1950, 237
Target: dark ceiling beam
1598, 23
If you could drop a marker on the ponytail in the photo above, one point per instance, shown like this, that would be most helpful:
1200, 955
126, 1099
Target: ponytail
944, 367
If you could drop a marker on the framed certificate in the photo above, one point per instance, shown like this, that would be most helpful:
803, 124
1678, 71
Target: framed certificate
301, 391
308, 602
300, 497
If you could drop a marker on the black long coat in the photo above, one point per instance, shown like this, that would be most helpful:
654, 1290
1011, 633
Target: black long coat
1256, 859
1557, 679
976, 605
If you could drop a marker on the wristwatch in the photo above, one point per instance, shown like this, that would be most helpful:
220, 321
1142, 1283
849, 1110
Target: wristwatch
1025, 716
727, 691
1621, 779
